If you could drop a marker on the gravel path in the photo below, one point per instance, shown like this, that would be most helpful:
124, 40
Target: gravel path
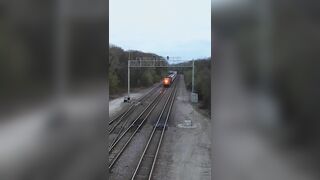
185, 152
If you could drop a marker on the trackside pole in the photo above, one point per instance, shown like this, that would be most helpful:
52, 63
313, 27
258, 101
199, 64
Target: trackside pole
192, 76
194, 96
127, 99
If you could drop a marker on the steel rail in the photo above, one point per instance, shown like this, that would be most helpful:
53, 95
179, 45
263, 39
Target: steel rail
135, 105
172, 97
161, 137
142, 98
131, 109
130, 138
119, 136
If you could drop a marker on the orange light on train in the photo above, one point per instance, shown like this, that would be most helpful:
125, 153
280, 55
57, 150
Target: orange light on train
166, 81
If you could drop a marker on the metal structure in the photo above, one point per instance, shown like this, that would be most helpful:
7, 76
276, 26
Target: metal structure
192, 76
154, 63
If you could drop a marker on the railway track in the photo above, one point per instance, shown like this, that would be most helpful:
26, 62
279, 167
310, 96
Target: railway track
148, 158
119, 121
123, 139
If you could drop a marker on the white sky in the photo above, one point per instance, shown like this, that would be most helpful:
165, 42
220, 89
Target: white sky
180, 28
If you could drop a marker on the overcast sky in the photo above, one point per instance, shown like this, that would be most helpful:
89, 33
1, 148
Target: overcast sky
180, 28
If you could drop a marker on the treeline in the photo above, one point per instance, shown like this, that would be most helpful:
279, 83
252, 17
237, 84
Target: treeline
139, 77
202, 80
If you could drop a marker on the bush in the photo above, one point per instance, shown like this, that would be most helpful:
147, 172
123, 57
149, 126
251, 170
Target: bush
202, 81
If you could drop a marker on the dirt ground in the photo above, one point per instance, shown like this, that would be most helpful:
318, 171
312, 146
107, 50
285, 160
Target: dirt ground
185, 152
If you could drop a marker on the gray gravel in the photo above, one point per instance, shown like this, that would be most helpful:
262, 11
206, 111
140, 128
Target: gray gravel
185, 152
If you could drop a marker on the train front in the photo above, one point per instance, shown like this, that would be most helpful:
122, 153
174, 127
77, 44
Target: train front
166, 81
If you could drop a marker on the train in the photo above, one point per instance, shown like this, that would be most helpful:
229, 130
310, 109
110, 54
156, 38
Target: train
168, 80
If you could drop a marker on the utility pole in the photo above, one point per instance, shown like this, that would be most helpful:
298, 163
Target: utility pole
129, 80
194, 96
128, 98
192, 76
